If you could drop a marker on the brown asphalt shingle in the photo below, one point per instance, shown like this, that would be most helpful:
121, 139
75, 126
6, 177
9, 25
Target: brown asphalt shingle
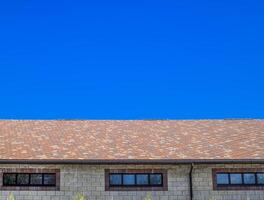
124, 140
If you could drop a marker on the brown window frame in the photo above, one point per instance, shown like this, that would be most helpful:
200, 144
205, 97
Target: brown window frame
161, 187
241, 171
29, 187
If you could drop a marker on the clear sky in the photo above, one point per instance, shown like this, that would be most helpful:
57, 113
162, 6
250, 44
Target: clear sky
104, 59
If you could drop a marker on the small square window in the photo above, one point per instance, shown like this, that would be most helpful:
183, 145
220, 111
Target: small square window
155, 179
49, 179
222, 179
249, 178
260, 178
129, 179
23, 179
115, 179
236, 179
35, 179
9, 179
142, 179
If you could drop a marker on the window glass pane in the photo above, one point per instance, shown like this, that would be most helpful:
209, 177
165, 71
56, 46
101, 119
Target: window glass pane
22, 179
115, 179
129, 179
155, 179
235, 178
260, 177
142, 179
249, 178
49, 179
9, 179
36, 179
222, 179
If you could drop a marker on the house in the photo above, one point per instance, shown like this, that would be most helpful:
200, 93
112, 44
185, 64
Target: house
169, 159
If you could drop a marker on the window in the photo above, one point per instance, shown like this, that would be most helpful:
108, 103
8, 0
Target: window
116, 179
238, 179
249, 178
235, 178
29, 179
142, 179
26, 179
222, 179
125, 179
155, 179
36, 179
128, 179
260, 178
49, 179
135, 180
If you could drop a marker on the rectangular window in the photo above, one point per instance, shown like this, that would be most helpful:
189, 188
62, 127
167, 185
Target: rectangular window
235, 179
128, 180
155, 179
222, 178
115, 179
249, 178
36, 179
260, 178
29, 179
238, 179
135, 180
142, 179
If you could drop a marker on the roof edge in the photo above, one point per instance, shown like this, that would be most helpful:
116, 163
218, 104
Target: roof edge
139, 119
133, 161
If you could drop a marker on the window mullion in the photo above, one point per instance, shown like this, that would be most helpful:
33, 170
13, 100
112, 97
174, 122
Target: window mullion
16, 179
29, 181
42, 178
149, 180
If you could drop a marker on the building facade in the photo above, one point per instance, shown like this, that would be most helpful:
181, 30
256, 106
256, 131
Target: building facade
90, 180
127, 160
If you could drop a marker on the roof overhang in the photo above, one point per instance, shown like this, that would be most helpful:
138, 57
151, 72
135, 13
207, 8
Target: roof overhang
131, 161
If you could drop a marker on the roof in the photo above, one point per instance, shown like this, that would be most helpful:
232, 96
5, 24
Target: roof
135, 141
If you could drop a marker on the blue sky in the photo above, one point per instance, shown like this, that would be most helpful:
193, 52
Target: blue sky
131, 59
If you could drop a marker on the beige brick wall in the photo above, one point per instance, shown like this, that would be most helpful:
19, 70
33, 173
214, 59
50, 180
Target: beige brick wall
90, 181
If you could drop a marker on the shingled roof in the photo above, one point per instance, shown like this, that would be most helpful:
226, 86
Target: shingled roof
129, 141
